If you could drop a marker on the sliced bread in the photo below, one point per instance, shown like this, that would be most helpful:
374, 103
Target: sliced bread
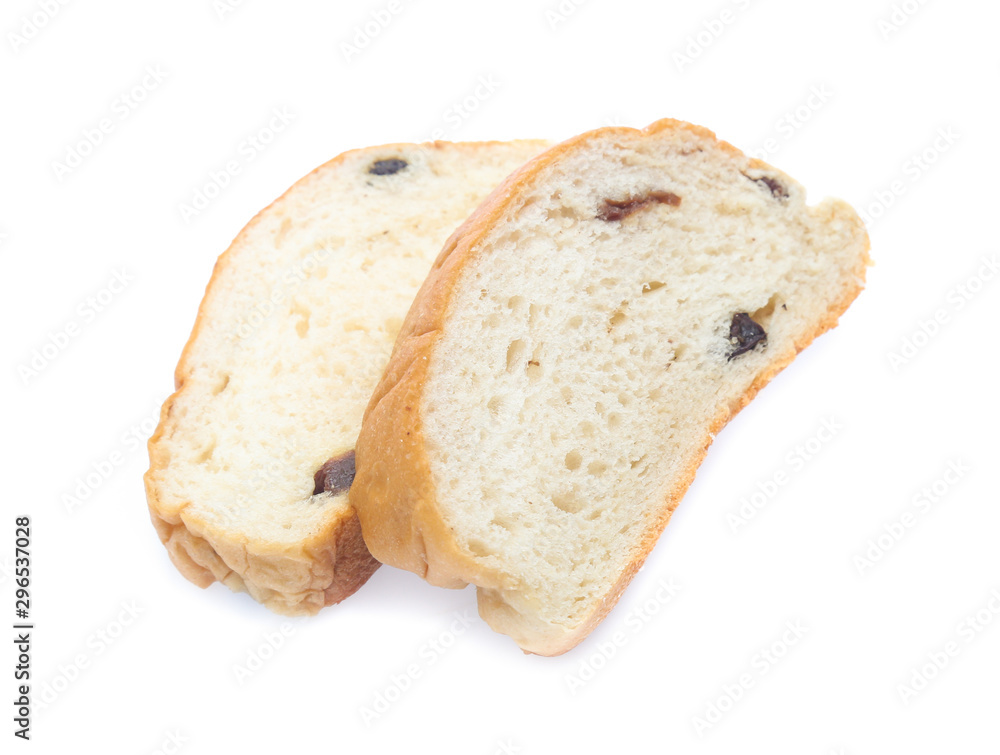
251, 462
564, 368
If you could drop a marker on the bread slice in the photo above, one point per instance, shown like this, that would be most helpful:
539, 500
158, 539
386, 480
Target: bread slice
566, 365
293, 334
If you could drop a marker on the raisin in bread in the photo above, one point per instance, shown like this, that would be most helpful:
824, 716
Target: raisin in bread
251, 462
579, 342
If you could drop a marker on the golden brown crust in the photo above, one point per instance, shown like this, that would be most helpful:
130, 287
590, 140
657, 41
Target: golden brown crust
399, 514
322, 571
292, 580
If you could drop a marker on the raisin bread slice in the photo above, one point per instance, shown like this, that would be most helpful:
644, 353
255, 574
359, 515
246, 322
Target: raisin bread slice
566, 365
251, 462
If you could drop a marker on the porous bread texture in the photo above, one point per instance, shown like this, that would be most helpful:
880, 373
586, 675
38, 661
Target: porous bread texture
560, 375
294, 331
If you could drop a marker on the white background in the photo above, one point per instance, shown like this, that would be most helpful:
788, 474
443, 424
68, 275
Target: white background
172, 673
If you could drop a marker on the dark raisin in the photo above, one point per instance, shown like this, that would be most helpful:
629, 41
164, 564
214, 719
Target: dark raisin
387, 167
618, 209
336, 475
744, 333
777, 189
